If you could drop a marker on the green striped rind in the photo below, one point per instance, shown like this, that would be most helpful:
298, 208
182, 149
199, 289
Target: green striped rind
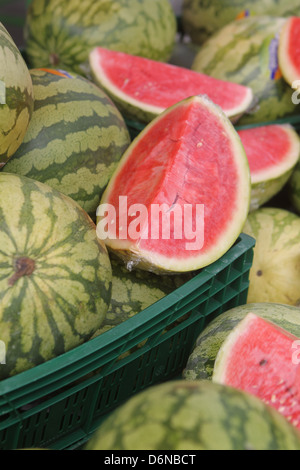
240, 52
62, 33
75, 138
181, 415
201, 18
55, 275
16, 96
293, 188
275, 271
133, 291
201, 361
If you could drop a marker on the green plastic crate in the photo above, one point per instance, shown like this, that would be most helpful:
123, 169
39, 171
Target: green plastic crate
60, 403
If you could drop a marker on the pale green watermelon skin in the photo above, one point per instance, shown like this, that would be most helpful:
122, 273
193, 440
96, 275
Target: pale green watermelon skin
201, 19
55, 275
201, 361
275, 272
75, 138
245, 52
62, 33
16, 96
179, 415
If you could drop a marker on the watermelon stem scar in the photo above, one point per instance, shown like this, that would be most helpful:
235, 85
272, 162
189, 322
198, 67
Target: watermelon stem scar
23, 266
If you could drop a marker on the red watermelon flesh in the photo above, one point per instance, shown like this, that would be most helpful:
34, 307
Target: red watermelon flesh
188, 158
272, 150
263, 359
289, 51
153, 86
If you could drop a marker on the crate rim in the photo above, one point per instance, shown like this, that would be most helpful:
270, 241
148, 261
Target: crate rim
65, 361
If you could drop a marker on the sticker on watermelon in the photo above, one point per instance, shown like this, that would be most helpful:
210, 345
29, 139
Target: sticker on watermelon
143, 88
263, 359
180, 194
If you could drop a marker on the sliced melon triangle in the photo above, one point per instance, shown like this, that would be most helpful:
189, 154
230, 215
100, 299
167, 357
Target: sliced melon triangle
263, 359
189, 174
289, 51
143, 88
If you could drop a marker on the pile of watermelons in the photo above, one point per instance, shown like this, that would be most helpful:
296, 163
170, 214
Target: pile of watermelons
138, 139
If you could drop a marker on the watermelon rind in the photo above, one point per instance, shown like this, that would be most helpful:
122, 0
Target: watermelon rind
144, 111
55, 284
293, 189
16, 97
289, 71
157, 262
179, 415
60, 33
275, 272
201, 19
200, 364
75, 138
245, 51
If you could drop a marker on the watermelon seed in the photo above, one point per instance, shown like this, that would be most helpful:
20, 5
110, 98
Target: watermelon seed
259, 272
263, 362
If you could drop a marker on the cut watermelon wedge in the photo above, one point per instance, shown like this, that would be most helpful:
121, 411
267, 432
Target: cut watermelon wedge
263, 359
180, 194
143, 88
273, 152
289, 51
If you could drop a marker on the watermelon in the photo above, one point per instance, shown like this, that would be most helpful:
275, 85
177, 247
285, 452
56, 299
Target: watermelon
200, 415
201, 19
16, 97
246, 52
133, 291
198, 200
55, 280
75, 138
200, 364
275, 271
61, 33
262, 359
143, 88
273, 152
289, 51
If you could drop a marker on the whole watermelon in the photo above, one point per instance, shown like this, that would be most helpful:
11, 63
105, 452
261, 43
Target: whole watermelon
61, 33
55, 274
293, 189
75, 138
200, 415
245, 51
16, 96
201, 18
275, 271
201, 361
